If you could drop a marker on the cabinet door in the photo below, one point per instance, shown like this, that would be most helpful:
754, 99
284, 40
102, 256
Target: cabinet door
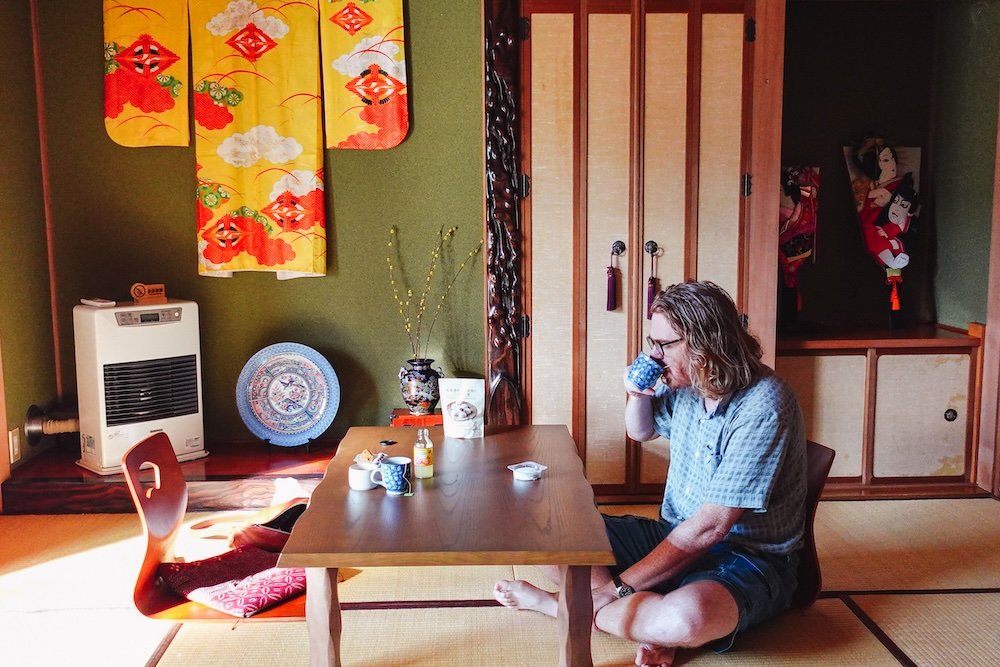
915, 434
830, 390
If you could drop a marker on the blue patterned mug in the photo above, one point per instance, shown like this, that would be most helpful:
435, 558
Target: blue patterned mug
392, 474
645, 371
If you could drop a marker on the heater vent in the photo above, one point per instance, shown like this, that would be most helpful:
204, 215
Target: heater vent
140, 391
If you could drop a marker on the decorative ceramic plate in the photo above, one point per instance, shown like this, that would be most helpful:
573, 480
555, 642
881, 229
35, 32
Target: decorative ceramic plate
287, 394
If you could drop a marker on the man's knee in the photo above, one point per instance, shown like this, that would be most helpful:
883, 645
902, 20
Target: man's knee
689, 624
701, 612
629, 617
687, 617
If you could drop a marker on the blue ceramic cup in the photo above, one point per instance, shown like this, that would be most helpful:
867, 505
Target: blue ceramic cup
644, 371
391, 473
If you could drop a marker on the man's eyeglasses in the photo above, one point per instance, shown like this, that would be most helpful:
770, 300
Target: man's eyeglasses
660, 346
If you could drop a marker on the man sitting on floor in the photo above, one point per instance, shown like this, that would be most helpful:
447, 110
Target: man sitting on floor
723, 555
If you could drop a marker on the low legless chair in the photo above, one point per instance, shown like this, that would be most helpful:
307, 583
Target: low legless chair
161, 507
819, 460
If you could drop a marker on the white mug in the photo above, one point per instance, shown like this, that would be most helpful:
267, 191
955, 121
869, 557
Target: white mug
360, 478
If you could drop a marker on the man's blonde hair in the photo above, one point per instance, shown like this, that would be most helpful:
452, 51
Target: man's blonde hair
723, 356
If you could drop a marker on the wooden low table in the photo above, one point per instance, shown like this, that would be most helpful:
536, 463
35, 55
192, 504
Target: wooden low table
472, 512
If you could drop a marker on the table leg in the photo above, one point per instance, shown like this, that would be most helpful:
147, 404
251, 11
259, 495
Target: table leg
323, 617
575, 616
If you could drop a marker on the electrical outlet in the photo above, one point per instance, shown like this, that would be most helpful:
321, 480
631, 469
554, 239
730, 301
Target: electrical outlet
14, 441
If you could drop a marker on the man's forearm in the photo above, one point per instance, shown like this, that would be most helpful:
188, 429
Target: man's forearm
685, 544
639, 417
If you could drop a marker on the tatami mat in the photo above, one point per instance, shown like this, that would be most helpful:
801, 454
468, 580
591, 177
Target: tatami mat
79, 561
79, 636
66, 598
889, 545
961, 630
66, 591
828, 634
398, 584
27, 540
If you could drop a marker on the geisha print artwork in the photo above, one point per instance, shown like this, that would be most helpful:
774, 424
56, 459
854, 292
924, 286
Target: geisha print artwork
884, 182
797, 213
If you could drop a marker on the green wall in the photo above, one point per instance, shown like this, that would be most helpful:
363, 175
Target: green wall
25, 326
124, 215
965, 154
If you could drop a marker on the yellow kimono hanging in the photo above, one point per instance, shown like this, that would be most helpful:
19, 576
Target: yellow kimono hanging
145, 72
364, 73
258, 137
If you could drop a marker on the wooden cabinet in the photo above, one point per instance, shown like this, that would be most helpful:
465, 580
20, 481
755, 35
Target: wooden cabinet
546, 251
899, 410
634, 132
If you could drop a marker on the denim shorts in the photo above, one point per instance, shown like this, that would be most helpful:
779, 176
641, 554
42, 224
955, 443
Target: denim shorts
762, 584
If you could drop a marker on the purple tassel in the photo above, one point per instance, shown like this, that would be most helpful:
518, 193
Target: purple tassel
612, 289
650, 295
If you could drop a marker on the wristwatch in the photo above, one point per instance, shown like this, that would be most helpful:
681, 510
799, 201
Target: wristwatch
623, 589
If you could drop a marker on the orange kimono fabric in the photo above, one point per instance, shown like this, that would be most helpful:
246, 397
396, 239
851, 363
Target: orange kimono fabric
258, 139
146, 72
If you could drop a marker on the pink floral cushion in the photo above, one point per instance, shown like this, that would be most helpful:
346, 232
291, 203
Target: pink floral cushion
240, 582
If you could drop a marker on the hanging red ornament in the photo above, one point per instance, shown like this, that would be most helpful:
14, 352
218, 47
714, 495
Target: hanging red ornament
892, 278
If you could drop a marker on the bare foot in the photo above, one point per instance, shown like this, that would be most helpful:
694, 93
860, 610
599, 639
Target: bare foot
519, 594
647, 655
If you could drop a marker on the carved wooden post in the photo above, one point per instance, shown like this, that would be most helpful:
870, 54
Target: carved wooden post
504, 404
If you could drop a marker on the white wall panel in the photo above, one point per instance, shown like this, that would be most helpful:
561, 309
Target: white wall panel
552, 99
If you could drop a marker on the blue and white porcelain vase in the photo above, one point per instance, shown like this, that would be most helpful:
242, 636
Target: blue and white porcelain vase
419, 384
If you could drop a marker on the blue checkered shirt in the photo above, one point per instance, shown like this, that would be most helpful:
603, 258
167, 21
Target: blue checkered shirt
750, 453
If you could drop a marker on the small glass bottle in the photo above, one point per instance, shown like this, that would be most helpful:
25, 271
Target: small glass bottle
423, 455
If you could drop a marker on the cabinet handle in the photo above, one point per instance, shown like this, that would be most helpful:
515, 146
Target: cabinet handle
950, 415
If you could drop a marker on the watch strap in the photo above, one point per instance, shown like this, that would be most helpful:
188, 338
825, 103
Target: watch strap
623, 589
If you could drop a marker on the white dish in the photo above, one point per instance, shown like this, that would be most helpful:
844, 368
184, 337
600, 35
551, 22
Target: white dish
527, 471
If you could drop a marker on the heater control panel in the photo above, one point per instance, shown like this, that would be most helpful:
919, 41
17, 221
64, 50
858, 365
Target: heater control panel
131, 318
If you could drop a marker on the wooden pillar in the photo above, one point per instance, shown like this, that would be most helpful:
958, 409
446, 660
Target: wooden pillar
505, 390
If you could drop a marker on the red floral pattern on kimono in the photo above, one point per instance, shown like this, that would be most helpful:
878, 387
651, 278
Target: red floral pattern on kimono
244, 231
145, 72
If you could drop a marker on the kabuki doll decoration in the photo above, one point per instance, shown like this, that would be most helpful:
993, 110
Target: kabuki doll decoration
261, 74
797, 212
884, 180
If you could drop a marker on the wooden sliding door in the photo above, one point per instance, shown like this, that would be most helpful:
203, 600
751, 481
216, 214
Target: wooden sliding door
633, 124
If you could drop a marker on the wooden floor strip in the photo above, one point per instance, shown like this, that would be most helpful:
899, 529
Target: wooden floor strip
154, 659
908, 591
418, 604
879, 633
